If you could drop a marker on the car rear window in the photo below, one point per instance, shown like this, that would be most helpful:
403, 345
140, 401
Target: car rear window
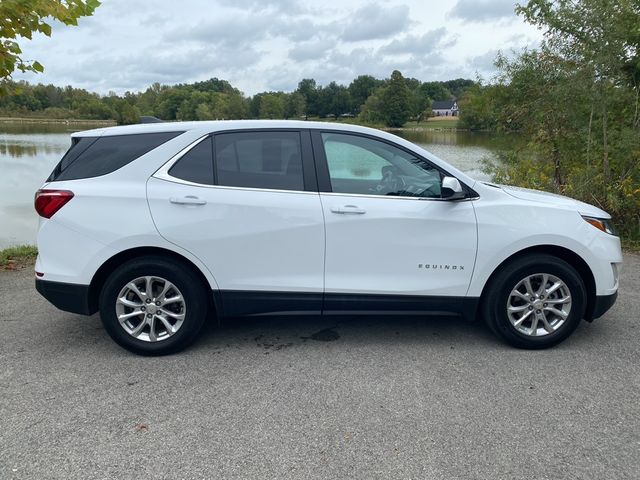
96, 156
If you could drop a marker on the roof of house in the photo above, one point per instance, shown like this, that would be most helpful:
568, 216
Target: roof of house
443, 104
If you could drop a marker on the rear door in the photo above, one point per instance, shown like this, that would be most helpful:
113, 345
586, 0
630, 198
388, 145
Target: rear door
391, 241
246, 204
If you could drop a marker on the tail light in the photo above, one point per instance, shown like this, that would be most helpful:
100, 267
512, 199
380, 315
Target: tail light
48, 202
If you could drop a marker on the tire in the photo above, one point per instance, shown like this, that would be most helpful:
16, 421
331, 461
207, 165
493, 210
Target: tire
554, 319
176, 323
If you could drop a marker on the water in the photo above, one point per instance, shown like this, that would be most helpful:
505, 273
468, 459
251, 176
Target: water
28, 153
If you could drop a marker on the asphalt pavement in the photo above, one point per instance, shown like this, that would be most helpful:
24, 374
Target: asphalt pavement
347, 398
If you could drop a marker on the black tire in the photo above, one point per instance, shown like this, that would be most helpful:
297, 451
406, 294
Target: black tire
494, 302
188, 282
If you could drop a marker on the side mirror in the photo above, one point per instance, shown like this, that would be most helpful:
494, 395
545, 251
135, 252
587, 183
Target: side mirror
451, 189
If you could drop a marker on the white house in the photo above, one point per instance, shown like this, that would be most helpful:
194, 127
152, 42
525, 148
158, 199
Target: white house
445, 108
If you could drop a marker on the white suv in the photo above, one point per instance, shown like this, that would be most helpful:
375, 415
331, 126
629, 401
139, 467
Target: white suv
161, 226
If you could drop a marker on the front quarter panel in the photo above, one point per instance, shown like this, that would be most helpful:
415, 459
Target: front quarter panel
507, 225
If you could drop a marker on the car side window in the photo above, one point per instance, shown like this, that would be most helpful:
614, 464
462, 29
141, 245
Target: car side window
270, 160
361, 165
196, 165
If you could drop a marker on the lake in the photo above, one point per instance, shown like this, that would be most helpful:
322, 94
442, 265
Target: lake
28, 153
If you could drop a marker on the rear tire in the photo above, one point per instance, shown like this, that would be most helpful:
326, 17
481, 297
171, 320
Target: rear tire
535, 302
153, 305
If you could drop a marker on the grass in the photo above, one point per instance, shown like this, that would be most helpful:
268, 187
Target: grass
15, 258
432, 123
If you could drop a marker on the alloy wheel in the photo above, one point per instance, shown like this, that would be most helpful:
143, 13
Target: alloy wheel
539, 305
150, 308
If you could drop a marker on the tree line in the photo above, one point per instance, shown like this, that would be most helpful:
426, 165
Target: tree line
575, 101
391, 101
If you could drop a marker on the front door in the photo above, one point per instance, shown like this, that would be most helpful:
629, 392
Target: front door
388, 232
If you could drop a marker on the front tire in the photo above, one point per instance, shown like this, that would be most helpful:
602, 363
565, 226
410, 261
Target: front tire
153, 305
534, 302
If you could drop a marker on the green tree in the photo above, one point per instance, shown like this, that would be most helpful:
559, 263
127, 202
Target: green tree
334, 100
575, 100
309, 90
396, 101
436, 91
294, 105
420, 105
360, 89
21, 18
478, 109
126, 114
271, 106
371, 111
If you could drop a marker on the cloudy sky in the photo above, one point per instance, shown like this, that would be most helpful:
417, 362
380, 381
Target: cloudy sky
271, 44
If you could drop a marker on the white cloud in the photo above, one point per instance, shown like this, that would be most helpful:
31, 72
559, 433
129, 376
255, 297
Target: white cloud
483, 10
272, 44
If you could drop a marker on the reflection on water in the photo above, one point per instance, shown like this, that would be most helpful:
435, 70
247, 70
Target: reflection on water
26, 159
28, 153
463, 150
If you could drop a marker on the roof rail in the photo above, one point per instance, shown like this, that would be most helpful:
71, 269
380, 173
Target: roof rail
150, 119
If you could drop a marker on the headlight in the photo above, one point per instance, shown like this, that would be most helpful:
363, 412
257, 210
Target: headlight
601, 224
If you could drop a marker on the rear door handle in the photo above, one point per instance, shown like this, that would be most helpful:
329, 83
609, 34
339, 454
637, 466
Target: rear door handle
187, 200
349, 209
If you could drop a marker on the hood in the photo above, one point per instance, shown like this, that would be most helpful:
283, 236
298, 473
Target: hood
554, 199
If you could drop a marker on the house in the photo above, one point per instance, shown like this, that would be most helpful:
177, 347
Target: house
445, 108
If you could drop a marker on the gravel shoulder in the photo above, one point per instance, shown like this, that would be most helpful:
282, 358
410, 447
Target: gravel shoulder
424, 398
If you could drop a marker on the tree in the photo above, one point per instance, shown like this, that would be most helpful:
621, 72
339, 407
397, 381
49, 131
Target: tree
396, 101
294, 105
371, 111
334, 100
477, 107
271, 105
420, 105
360, 89
309, 90
21, 18
436, 91
600, 36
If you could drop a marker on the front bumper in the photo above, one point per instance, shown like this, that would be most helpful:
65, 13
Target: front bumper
601, 305
69, 297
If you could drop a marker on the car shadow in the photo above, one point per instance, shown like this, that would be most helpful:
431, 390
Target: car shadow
273, 334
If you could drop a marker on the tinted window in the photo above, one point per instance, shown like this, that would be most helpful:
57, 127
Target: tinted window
92, 157
196, 165
365, 166
259, 160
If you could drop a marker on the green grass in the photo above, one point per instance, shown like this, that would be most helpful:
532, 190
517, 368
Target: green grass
432, 123
436, 123
13, 257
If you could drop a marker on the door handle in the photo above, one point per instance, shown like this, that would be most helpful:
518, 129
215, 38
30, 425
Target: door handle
348, 209
188, 200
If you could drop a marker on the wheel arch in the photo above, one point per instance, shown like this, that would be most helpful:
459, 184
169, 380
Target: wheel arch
110, 265
572, 258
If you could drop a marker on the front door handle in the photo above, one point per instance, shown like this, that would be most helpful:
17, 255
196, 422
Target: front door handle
187, 200
349, 209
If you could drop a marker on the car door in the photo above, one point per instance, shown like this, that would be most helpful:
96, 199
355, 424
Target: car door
391, 240
246, 204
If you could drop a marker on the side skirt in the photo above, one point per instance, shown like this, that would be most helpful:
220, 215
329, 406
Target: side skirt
240, 303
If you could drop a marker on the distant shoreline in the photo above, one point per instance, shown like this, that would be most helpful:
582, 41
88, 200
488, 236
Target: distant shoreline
58, 121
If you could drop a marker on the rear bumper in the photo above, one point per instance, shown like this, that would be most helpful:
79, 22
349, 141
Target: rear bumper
601, 305
69, 297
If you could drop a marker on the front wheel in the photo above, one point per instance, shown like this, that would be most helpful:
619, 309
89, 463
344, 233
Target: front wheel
153, 306
535, 301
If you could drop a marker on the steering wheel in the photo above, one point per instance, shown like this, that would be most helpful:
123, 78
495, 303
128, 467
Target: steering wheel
390, 182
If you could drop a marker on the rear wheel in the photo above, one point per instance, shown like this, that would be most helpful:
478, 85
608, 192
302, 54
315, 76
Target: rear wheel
153, 306
535, 301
